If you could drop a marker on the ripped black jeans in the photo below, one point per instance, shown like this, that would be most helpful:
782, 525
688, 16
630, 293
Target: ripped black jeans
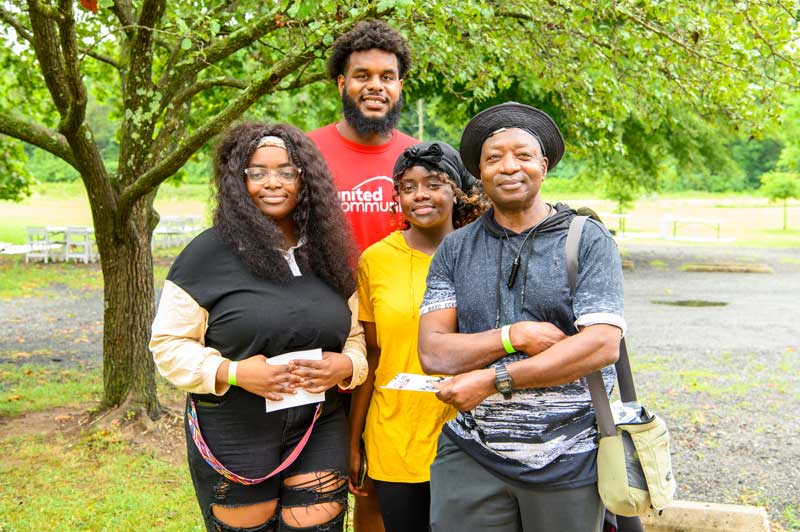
251, 442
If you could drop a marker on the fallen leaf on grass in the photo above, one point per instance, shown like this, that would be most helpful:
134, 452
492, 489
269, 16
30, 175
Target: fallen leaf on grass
15, 397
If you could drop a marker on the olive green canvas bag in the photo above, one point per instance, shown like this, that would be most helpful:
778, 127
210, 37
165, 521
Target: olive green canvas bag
634, 470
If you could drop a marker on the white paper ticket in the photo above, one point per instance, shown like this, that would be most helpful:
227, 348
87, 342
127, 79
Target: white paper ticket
414, 382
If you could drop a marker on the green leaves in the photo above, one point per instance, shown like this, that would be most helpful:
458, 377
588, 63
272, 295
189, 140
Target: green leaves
15, 181
599, 67
781, 185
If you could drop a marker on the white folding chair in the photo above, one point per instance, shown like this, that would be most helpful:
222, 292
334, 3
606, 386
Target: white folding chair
37, 243
79, 244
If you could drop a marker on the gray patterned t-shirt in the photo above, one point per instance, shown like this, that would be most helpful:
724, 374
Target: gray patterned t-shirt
542, 436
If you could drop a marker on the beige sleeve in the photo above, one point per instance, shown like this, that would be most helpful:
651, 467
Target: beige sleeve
178, 343
355, 348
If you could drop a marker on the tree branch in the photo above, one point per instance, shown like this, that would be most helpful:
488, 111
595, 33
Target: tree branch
769, 45
137, 91
46, 10
213, 54
691, 50
124, 13
47, 139
173, 162
76, 110
301, 81
681, 44
8, 18
102, 58
189, 92
526, 17
45, 44
787, 10
224, 6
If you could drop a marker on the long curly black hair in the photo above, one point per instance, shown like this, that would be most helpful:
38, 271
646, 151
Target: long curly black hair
328, 251
469, 205
369, 35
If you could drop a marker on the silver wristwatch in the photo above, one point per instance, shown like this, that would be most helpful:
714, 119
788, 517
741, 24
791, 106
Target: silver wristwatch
503, 381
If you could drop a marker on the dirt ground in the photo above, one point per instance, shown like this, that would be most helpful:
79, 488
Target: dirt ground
724, 377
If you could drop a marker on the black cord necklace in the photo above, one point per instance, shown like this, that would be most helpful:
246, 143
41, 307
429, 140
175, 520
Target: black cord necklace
515, 265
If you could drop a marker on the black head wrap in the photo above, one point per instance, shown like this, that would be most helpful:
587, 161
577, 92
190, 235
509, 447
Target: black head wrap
436, 157
507, 116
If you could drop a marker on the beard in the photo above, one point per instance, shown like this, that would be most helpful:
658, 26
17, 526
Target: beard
365, 126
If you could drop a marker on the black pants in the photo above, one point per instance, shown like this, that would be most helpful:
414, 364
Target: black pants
405, 507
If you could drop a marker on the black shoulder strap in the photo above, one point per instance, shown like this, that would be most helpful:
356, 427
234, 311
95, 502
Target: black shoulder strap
627, 390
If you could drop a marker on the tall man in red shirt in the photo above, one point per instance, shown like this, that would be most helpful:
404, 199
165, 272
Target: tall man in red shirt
368, 64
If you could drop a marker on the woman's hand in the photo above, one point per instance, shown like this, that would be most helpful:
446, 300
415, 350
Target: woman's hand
468, 390
356, 452
319, 375
257, 376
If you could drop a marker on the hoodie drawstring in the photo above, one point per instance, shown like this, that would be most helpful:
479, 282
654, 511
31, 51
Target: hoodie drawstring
497, 289
512, 277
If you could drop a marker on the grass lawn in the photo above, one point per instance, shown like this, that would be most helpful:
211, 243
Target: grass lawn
74, 479
96, 483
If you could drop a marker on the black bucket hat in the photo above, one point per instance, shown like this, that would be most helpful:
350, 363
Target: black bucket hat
506, 116
437, 157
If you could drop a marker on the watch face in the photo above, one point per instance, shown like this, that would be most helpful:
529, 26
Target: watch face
502, 381
504, 386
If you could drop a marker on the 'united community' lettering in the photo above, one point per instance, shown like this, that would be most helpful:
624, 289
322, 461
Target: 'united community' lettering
358, 200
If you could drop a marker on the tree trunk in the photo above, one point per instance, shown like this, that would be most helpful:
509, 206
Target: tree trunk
128, 368
785, 214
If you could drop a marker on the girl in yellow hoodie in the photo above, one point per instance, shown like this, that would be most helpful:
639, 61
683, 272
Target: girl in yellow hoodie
400, 428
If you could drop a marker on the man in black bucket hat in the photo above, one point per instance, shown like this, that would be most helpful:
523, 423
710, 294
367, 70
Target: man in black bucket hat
498, 314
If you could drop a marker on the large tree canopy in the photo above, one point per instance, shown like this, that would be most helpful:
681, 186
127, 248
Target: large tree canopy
174, 74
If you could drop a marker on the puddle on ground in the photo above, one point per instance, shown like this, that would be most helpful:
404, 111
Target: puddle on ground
690, 303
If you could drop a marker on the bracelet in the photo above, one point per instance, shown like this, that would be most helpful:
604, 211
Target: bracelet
232, 373
505, 336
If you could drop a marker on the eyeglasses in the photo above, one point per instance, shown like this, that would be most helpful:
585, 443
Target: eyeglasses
286, 175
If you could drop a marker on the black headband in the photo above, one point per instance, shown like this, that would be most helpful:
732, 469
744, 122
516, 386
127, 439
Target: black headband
437, 157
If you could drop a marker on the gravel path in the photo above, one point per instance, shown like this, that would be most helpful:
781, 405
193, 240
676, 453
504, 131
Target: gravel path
725, 378
63, 326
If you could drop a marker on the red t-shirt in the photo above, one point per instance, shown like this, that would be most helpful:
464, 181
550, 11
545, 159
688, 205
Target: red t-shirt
363, 175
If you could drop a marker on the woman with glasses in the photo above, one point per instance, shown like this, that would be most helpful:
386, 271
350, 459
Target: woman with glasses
272, 276
400, 428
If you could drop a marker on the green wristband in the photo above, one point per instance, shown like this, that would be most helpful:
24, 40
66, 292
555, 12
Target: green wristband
232, 373
505, 336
